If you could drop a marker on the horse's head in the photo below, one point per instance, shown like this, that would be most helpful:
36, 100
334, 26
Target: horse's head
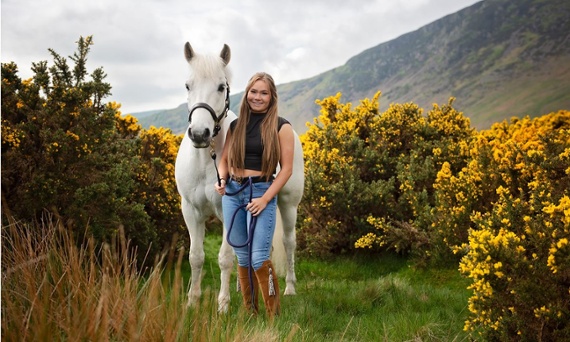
208, 94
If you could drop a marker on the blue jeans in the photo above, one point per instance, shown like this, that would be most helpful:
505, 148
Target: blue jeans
238, 233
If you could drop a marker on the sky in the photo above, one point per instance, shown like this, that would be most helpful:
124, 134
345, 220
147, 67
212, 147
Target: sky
139, 43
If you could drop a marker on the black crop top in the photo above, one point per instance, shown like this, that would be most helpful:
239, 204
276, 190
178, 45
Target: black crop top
253, 145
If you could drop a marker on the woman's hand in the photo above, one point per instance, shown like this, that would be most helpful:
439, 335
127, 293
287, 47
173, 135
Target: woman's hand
221, 187
256, 206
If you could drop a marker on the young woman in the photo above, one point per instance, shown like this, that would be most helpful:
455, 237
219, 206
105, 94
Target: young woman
257, 142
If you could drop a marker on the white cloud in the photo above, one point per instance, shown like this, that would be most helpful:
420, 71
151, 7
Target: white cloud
140, 43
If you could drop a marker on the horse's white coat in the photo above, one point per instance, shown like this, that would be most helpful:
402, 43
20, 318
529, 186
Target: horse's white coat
196, 174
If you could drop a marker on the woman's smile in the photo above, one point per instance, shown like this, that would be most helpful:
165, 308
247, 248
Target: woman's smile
259, 97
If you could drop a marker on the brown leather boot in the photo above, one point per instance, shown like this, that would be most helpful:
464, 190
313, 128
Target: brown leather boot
249, 302
269, 285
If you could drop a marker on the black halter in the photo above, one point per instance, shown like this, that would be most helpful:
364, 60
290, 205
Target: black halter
217, 119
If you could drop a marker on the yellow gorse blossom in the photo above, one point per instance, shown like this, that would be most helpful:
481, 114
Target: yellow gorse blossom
526, 228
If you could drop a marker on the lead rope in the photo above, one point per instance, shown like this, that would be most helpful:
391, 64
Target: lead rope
251, 230
213, 155
252, 225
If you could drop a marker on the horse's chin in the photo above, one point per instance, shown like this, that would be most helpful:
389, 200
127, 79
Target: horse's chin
201, 144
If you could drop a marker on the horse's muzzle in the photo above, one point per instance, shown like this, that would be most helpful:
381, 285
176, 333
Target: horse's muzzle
200, 139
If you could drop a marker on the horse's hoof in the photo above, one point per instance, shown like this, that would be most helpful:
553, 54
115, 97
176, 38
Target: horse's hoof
192, 301
223, 308
223, 305
290, 291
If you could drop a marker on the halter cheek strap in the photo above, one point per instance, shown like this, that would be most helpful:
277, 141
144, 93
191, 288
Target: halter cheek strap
217, 119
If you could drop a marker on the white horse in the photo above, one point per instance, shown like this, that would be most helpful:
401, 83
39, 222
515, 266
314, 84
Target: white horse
196, 172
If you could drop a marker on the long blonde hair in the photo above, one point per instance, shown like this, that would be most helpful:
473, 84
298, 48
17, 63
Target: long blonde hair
269, 134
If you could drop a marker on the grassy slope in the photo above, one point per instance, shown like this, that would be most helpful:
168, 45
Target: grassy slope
537, 94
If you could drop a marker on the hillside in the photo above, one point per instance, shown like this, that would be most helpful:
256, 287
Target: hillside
499, 58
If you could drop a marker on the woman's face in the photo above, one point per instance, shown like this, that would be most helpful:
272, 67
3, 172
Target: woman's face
259, 97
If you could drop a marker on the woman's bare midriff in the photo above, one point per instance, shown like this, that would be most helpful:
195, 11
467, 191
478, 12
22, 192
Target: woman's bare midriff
246, 173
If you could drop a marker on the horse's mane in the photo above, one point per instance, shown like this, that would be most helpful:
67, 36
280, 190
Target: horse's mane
208, 66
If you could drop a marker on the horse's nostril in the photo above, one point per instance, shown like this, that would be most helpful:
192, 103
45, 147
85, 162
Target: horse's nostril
206, 133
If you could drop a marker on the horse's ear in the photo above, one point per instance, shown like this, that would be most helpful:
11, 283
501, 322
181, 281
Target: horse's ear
188, 52
226, 54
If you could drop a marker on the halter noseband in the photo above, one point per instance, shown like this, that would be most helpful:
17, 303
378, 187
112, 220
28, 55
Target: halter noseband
217, 119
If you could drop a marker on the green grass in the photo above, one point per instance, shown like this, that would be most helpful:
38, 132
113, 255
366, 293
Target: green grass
361, 298
52, 290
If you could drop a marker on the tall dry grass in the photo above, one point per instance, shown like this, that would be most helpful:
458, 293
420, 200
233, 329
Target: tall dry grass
53, 290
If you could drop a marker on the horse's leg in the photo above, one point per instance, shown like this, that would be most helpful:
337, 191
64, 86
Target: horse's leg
226, 262
289, 219
197, 229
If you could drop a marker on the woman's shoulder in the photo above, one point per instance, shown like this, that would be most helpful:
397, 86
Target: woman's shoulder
233, 124
282, 121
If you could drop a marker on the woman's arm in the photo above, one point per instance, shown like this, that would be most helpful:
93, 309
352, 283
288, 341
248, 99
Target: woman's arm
287, 145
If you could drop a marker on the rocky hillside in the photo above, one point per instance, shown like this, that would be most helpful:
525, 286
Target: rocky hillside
498, 58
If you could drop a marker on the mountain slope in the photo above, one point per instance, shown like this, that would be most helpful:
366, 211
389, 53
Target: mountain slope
499, 58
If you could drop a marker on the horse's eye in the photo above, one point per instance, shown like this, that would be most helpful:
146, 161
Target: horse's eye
187, 87
221, 88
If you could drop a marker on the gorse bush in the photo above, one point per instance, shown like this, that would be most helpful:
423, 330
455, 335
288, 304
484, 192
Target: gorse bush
371, 174
497, 202
338, 169
67, 152
517, 252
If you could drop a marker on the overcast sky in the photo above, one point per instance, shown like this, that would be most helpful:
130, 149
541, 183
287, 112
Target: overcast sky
139, 43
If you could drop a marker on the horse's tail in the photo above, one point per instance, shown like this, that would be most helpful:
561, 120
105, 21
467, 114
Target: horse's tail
278, 255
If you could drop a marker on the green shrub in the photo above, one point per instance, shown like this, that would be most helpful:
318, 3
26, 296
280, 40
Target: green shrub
517, 253
370, 175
